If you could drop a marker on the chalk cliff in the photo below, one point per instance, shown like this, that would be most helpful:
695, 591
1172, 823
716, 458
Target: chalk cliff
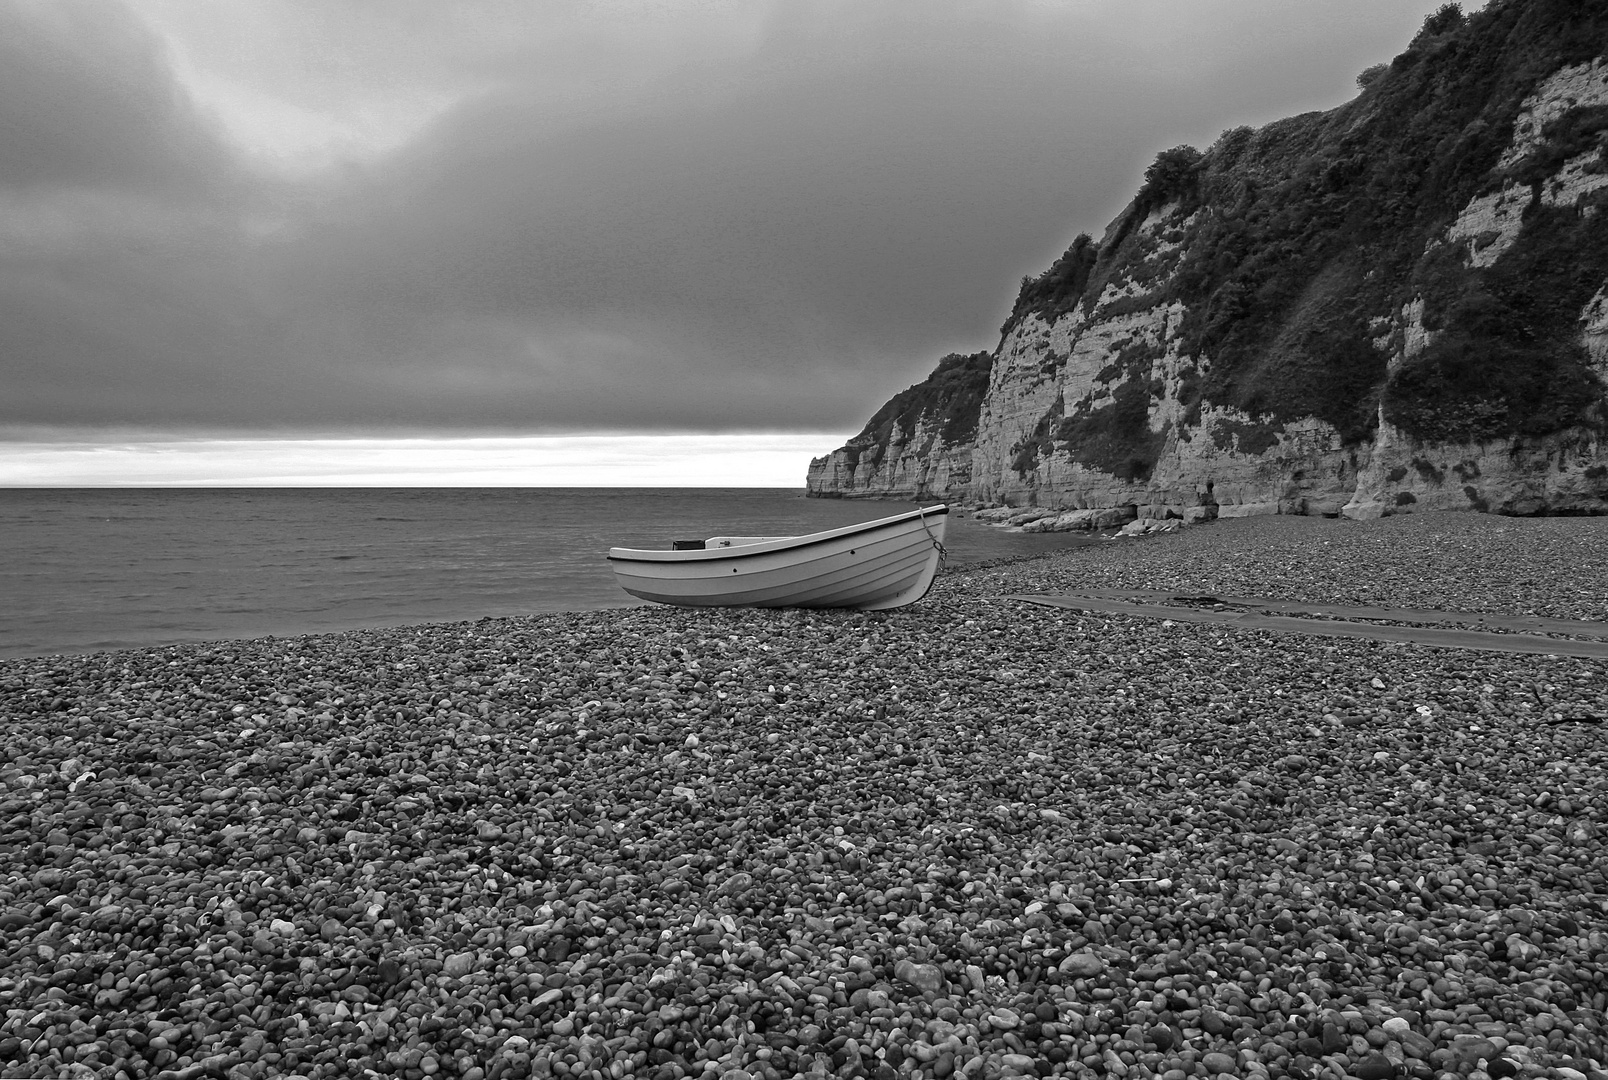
918, 445
1397, 305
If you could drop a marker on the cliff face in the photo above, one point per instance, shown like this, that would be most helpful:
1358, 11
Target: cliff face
1398, 305
918, 445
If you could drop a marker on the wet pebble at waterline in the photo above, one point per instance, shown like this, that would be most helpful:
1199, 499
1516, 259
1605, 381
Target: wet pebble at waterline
964, 839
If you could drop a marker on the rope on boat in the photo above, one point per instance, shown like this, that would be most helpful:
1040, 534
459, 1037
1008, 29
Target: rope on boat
943, 555
943, 552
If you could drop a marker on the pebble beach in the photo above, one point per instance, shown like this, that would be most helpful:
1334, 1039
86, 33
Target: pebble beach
969, 838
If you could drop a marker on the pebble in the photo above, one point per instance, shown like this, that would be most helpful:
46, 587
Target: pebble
655, 842
1375, 1066
1005, 1019
459, 964
1082, 965
1470, 1051
927, 977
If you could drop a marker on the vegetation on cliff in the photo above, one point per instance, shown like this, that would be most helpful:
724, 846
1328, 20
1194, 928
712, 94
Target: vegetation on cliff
1315, 224
948, 402
1172, 177
1507, 358
1302, 254
1295, 237
1058, 290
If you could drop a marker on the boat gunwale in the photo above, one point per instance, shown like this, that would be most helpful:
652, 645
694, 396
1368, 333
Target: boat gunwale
788, 544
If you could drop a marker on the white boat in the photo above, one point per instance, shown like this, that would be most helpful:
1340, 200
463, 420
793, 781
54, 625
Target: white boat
877, 565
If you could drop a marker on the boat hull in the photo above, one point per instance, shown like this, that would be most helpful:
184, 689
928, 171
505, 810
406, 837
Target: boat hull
871, 567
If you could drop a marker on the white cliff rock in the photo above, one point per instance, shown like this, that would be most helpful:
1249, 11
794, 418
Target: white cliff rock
914, 465
1083, 520
1491, 222
1594, 332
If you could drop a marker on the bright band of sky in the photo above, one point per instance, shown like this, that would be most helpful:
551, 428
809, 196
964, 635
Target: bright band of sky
778, 460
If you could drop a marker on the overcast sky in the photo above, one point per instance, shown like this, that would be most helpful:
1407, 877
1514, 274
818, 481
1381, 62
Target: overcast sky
228, 217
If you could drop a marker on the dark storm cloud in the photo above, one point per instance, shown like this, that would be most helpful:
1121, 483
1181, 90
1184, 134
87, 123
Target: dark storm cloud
85, 101
773, 225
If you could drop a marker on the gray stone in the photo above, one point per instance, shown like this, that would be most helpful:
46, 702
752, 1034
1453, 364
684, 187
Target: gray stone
1374, 1067
924, 977
1082, 965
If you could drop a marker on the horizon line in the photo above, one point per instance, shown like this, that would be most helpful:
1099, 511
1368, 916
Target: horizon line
727, 460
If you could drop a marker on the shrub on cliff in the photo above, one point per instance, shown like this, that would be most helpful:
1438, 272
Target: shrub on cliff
1370, 75
1445, 18
1174, 175
1115, 437
1058, 290
950, 400
1312, 225
1506, 358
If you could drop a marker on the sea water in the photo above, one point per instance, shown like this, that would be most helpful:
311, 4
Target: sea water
83, 570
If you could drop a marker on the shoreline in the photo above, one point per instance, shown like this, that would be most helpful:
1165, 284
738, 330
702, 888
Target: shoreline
968, 837
117, 572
